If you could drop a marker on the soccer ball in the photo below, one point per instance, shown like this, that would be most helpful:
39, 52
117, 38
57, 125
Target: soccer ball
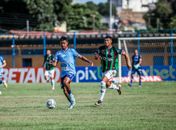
51, 103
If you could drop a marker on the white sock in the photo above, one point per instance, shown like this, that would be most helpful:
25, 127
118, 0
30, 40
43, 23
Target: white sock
113, 86
102, 90
47, 79
72, 98
53, 83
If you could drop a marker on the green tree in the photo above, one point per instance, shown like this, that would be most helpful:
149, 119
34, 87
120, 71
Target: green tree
173, 19
43, 12
103, 9
42, 15
92, 6
82, 17
62, 9
13, 6
173, 22
13, 14
162, 17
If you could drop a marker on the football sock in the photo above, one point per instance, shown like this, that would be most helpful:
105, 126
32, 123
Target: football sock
53, 83
72, 98
102, 90
47, 79
131, 82
113, 86
0, 81
115, 81
140, 83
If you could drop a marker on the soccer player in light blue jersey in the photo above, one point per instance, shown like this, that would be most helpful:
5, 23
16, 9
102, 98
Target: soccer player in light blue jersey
67, 57
2, 65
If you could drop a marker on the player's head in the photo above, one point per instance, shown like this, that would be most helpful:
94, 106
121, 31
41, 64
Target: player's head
136, 52
108, 41
48, 52
64, 42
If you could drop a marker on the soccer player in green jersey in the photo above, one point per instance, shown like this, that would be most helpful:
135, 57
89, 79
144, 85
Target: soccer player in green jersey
108, 55
49, 68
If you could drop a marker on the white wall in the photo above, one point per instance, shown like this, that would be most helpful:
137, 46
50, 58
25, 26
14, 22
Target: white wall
136, 5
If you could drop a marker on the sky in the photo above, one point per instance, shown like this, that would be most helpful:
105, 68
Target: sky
95, 1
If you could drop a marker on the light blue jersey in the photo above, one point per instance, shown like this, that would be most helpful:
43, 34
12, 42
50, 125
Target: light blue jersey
1, 63
67, 60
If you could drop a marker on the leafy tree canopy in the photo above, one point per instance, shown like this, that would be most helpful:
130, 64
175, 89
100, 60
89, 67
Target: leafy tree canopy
163, 16
45, 14
83, 17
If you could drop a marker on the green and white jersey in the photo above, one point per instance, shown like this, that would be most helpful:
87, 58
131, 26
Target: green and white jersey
109, 58
48, 60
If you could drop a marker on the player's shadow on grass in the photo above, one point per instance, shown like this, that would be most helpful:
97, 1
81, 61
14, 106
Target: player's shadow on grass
89, 106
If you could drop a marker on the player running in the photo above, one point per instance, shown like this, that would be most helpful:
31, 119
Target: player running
49, 68
136, 67
108, 55
2, 65
67, 56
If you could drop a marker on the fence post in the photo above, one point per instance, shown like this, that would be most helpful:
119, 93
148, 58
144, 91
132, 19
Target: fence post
138, 35
44, 44
13, 51
74, 40
171, 48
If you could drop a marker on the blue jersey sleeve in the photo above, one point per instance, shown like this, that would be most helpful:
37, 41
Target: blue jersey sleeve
56, 57
75, 53
1, 59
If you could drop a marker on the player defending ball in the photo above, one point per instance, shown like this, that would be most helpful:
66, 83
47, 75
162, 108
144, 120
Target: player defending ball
108, 55
49, 68
67, 56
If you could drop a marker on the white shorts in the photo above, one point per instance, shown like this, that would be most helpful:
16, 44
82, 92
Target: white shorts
49, 73
110, 74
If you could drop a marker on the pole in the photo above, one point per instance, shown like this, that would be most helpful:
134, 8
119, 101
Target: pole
120, 62
171, 49
44, 44
138, 33
110, 15
13, 51
27, 26
74, 40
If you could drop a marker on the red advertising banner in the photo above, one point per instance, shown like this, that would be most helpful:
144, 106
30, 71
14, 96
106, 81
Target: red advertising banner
27, 75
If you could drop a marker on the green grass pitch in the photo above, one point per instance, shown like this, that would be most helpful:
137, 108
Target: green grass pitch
153, 107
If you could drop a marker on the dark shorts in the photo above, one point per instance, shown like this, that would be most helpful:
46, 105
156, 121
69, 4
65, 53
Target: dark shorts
70, 76
138, 71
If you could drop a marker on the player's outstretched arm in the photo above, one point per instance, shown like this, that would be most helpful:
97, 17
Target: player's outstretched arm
86, 60
54, 63
4, 64
127, 59
97, 56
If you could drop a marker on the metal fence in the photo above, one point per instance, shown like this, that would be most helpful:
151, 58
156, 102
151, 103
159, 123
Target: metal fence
157, 48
